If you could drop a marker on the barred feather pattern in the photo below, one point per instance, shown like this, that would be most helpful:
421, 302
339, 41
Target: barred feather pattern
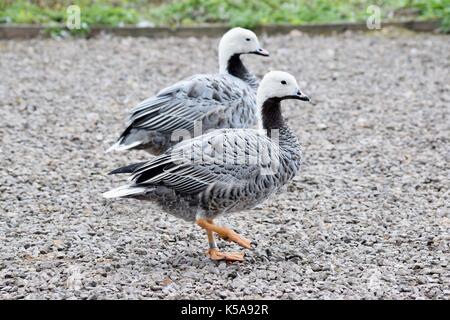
225, 171
205, 101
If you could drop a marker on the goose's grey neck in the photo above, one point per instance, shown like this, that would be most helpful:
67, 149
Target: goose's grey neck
236, 68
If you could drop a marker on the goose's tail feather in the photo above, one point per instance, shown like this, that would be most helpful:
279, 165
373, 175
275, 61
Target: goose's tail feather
120, 146
124, 191
128, 169
129, 139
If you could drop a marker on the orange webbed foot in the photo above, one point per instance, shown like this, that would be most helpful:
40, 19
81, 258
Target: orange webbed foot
217, 255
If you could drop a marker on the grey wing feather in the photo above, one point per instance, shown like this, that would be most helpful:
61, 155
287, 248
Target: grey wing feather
224, 156
191, 106
180, 105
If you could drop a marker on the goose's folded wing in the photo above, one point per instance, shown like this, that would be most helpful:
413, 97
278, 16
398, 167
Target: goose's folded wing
190, 100
229, 157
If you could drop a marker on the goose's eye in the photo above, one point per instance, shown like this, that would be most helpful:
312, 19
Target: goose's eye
248, 39
283, 82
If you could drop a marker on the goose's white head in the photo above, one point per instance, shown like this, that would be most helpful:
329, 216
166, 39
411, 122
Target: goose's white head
238, 41
279, 85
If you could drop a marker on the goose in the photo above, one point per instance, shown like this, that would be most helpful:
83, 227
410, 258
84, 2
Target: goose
223, 171
204, 101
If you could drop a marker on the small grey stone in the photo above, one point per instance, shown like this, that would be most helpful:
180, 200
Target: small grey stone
140, 251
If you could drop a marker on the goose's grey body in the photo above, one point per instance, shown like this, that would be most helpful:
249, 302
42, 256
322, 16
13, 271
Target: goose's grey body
224, 171
193, 106
203, 102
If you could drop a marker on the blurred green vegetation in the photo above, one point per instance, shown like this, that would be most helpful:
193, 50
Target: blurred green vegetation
246, 13
103, 12
259, 12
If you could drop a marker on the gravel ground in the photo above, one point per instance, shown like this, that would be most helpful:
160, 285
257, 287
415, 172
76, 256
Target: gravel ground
367, 218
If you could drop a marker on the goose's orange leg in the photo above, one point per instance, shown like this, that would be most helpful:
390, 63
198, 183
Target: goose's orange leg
224, 233
227, 234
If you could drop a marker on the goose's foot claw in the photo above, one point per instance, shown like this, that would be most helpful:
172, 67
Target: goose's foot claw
230, 235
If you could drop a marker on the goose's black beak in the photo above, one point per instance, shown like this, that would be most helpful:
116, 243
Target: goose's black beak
301, 96
298, 96
261, 52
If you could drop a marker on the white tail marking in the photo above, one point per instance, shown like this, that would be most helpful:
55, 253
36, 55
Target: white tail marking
123, 191
118, 146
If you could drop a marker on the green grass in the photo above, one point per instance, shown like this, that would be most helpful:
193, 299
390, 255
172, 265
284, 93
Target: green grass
251, 13
93, 12
246, 13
